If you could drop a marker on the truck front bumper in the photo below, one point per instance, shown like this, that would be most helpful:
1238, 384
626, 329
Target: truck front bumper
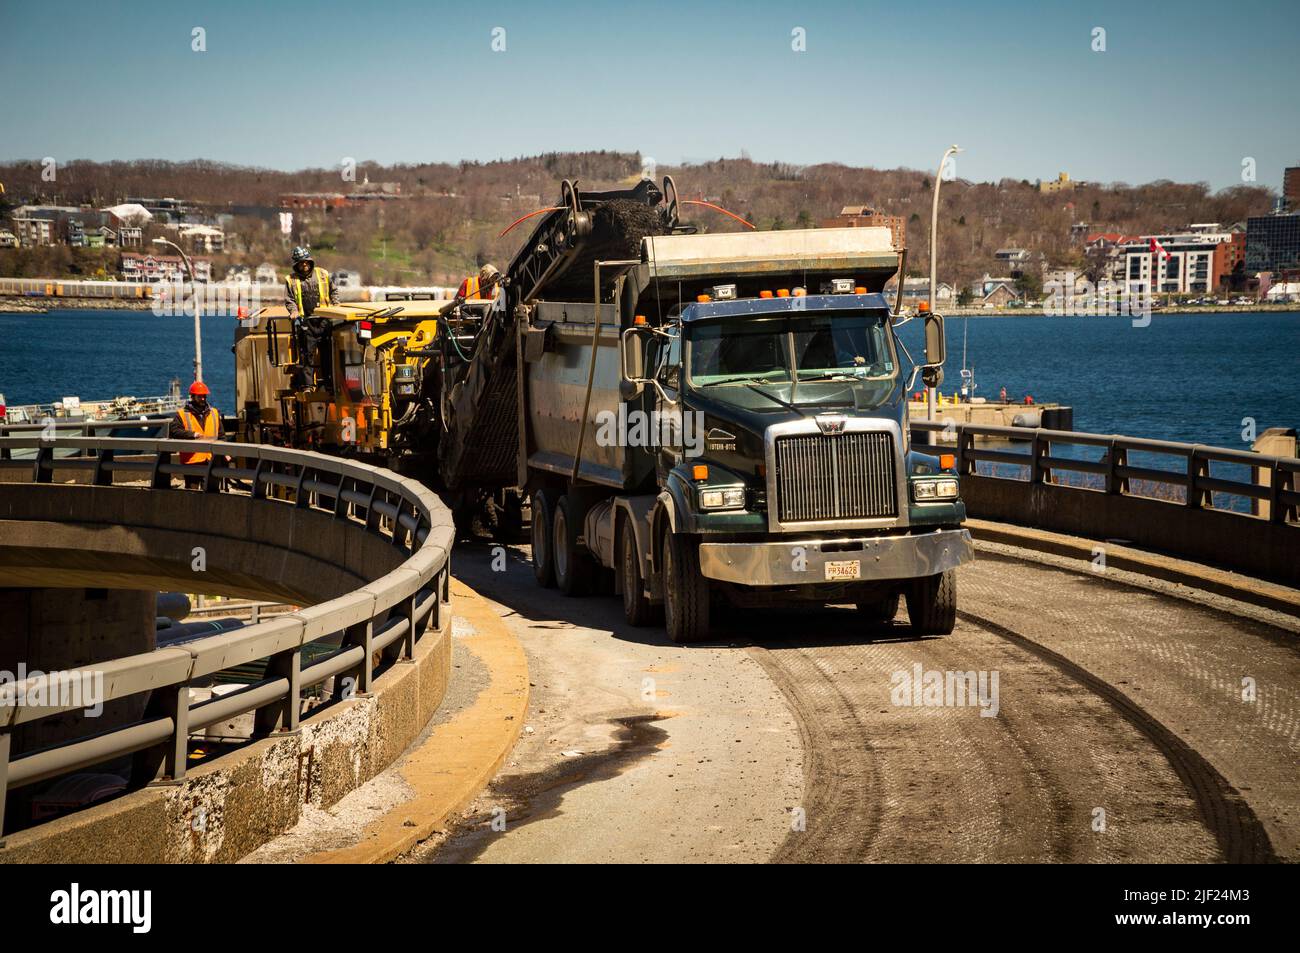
795, 561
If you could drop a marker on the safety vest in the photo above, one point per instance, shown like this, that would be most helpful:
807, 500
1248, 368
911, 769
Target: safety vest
207, 430
473, 289
322, 280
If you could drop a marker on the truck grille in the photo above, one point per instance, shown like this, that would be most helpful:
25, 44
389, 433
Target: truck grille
846, 477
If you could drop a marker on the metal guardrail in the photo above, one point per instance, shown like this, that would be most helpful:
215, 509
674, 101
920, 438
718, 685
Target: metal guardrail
1193, 477
387, 616
88, 428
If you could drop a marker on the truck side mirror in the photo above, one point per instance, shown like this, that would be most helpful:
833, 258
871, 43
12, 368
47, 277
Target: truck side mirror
936, 350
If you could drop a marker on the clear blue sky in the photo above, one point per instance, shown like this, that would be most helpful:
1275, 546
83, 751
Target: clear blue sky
1183, 91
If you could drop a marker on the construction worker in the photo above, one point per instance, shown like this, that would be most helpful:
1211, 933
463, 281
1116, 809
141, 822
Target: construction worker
197, 420
481, 287
305, 290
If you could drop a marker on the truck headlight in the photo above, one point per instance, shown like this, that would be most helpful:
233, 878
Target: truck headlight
932, 490
729, 498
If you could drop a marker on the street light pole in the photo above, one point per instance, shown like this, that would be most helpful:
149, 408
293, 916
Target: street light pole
934, 256
194, 286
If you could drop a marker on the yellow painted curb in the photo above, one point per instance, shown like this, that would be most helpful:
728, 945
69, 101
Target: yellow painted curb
457, 760
1196, 575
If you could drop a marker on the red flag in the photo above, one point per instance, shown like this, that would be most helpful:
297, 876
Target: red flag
1158, 249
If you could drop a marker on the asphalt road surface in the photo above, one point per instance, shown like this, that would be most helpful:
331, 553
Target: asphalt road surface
1072, 716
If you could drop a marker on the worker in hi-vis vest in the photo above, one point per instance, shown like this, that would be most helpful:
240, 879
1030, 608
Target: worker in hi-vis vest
197, 420
305, 290
480, 287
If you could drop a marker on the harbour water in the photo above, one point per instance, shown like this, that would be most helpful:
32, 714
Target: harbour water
1192, 377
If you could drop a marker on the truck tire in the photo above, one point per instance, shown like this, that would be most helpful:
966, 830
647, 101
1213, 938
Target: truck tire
879, 612
637, 609
932, 604
686, 591
543, 553
575, 570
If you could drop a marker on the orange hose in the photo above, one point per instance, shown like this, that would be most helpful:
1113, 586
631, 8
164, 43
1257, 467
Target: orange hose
553, 208
719, 208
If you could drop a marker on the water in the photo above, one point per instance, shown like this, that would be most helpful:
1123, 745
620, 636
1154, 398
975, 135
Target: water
97, 355
1187, 377
1191, 377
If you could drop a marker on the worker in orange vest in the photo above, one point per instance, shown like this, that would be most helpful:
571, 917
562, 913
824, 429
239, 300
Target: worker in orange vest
197, 420
481, 287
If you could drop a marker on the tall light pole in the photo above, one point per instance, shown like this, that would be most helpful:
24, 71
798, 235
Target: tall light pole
934, 256
934, 219
194, 286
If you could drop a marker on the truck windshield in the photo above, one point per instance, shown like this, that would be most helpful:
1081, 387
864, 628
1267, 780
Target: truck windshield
829, 346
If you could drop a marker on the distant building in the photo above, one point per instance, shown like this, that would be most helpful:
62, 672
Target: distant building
1291, 188
8, 239
319, 200
1183, 263
1229, 271
1016, 259
347, 279
918, 289
42, 224
266, 275
150, 268
1065, 279
366, 187
1062, 183
863, 216
203, 238
130, 213
1285, 292
1273, 244
165, 210
130, 236
1000, 295
995, 292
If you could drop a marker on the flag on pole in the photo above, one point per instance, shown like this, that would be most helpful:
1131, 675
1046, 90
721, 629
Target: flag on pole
1158, 249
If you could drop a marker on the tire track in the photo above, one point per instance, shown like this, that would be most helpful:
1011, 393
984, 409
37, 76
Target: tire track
1239, 833
1012, 790
842, 817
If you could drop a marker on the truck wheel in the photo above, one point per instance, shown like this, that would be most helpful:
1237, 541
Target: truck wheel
543, 554
686, 591
879, 612
932, 604
575, 572
636, 607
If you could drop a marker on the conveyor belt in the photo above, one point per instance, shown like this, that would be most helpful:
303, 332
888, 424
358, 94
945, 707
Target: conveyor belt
555, 263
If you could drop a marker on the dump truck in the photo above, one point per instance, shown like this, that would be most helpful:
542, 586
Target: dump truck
701, 420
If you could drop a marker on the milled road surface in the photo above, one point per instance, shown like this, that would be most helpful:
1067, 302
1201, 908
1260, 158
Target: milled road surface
1119, 728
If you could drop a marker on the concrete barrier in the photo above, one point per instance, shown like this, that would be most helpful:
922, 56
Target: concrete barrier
364, 550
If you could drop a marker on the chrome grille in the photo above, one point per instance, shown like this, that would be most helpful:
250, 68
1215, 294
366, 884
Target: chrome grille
844, 477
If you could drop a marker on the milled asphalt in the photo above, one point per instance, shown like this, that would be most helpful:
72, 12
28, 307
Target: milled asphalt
1122, 732
635, 749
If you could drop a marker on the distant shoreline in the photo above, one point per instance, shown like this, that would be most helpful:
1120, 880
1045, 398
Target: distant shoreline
16, 304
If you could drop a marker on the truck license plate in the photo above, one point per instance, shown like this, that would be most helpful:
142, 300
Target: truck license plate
844, 569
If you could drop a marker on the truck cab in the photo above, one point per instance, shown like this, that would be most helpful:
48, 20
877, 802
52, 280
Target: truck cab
755, 448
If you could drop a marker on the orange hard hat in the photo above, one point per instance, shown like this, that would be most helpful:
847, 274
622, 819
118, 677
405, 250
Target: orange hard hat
198, 387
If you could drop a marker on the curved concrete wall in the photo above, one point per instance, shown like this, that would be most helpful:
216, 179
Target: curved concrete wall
74, 536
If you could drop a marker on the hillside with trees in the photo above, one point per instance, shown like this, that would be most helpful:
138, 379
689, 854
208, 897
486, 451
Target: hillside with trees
449, 216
